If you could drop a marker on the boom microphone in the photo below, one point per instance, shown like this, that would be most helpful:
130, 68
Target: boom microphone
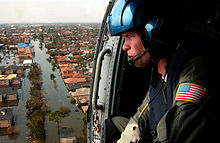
131, 61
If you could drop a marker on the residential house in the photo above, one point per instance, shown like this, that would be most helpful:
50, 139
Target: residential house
10, 77
16, 81
27, 63
82, 44
11, 97
8, 94
74, 86
9, 71
68, 70
74, 80
84, 108
24, 51
74, 77
88, 51
61, 59
12, 69
24, 48
81, 95
19, 69
4, 82
6, 117
76, 52
63, 50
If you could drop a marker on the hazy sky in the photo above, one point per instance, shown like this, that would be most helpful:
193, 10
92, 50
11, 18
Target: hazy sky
16, 11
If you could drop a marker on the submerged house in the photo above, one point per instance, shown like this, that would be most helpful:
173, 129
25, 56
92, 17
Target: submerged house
8, 94
11, 79
25, 51
16, 81
12, 69
24, 48
6, 117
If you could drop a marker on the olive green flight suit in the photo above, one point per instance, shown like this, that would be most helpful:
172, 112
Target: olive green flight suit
186, 121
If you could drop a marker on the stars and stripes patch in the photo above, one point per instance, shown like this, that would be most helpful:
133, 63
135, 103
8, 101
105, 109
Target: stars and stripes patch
190, 92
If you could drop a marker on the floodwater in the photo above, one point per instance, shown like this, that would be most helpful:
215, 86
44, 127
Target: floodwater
56, 96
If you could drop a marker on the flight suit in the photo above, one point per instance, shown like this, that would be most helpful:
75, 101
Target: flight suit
190, 116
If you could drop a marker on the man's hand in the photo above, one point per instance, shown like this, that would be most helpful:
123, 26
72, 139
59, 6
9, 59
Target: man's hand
131, 133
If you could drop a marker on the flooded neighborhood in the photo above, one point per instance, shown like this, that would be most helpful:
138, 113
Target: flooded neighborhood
45, 74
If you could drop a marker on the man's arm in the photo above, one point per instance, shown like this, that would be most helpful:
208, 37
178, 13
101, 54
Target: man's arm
131, 132
194, 116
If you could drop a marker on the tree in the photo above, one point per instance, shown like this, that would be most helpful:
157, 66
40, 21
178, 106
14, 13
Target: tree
36, 106
73, 101
35, 74
34, 103
57, 117
52, 76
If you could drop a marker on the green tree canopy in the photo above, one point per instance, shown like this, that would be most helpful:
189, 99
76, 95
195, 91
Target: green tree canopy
56, 116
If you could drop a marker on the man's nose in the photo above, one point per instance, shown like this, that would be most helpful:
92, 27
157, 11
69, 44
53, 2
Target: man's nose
126, 46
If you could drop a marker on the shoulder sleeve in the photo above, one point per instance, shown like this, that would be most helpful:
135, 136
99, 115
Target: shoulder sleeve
196, 71
193, 81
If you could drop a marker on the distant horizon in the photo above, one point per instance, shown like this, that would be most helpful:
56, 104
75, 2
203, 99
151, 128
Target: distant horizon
52, 11
51, 23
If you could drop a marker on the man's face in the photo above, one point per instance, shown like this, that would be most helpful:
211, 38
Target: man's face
134, 48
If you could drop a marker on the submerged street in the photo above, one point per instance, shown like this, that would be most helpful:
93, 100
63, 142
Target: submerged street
56, 95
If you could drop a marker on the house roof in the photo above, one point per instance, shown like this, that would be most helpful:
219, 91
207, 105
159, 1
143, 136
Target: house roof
74, 80
9, 77
9, 90
22, 45
74, 86
6, 114
27, 62
11, 67
78, 75
84, 108
81, 91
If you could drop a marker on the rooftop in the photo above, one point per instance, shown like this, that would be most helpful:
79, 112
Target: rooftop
22, 45
9, 90
9, 77
74, 80
13, 67
74, 86
6, 114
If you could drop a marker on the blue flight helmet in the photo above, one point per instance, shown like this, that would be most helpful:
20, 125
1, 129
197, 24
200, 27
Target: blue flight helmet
130, 14
122, 17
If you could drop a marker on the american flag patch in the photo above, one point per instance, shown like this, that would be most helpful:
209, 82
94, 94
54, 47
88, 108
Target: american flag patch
190, 92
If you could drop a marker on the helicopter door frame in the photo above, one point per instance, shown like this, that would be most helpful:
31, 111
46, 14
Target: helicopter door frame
103, 76
102, 99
